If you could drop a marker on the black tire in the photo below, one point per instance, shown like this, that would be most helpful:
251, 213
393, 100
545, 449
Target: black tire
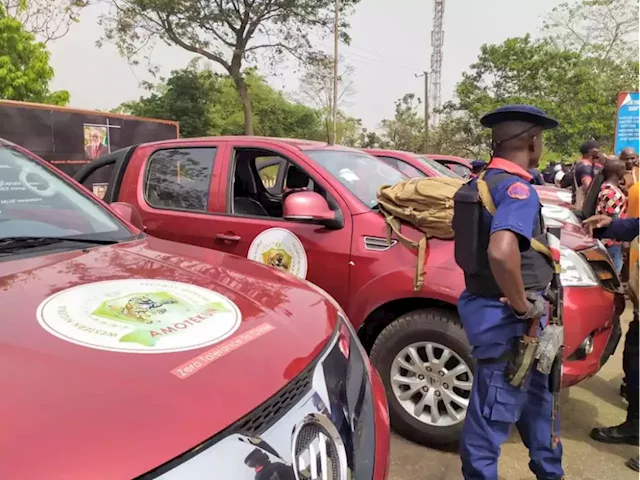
439, 326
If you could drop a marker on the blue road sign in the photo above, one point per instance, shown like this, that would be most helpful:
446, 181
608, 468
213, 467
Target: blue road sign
628, 122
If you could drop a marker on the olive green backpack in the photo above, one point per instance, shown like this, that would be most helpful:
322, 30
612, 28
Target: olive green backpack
424, 203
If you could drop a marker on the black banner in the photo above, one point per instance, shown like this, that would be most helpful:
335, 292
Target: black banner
69, 139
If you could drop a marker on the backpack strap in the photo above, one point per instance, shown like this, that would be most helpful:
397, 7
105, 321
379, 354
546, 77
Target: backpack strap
487, 202
394, 225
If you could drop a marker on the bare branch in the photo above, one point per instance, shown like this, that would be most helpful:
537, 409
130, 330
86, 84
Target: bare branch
48, 20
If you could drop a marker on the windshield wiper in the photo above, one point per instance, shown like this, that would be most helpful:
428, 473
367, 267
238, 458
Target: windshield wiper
9, 244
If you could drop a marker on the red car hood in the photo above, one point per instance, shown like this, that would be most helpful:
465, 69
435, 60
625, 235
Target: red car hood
549, 195
75, 412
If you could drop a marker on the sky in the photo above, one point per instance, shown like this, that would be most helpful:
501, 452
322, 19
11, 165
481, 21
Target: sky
390, 45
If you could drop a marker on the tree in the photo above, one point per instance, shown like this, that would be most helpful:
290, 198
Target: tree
25, 72
227, 32
206, 103
603, 29
47, 19
458, 133
405, 131
580, 92
316, 87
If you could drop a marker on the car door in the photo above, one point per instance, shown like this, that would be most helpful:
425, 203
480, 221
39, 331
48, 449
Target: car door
172, 185
310, 251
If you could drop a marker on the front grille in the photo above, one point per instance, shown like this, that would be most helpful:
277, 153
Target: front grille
273, 409
312, 442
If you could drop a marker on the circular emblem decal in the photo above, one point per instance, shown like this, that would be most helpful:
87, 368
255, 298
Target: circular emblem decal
139, 316
280, 248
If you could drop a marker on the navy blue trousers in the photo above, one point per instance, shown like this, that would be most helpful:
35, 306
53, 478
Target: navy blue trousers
494, 406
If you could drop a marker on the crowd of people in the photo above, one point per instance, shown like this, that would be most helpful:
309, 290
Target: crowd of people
511, 272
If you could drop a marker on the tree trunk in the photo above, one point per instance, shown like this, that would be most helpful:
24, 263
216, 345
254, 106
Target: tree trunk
243, 91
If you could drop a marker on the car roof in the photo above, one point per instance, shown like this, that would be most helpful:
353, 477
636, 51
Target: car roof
437, 156
300, 144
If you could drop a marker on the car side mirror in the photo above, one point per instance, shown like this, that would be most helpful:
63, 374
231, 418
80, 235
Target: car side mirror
129, 214
310, 207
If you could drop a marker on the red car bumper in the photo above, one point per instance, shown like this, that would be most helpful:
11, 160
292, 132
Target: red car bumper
383, 436
589, 312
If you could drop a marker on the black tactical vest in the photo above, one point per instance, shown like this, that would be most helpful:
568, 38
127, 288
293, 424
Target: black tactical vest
471, 237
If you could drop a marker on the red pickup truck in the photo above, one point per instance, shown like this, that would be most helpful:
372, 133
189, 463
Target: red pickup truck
310, 209
129, 356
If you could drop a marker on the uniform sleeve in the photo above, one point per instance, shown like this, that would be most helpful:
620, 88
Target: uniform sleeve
517, 209
582, 172
621, 229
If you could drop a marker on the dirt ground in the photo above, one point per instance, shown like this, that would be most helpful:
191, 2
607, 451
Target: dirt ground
594, 402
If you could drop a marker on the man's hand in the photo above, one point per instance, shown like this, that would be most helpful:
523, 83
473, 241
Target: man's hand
536, 307
596, 221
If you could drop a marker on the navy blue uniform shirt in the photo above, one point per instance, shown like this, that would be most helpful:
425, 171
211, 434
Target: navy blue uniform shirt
621, 229
584, 169
490, 325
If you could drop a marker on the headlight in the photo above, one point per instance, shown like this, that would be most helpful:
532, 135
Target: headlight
576, 272
564, 196
358, 398
553, 214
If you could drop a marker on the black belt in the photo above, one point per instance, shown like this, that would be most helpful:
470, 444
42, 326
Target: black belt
505, 357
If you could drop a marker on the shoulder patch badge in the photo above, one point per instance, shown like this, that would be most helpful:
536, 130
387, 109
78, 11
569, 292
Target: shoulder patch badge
519, 191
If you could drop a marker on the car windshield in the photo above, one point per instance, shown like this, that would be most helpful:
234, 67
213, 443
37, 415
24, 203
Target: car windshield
36, 203
361, 173
441, 170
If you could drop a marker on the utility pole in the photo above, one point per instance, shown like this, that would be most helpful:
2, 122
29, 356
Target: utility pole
334, 113
426, 110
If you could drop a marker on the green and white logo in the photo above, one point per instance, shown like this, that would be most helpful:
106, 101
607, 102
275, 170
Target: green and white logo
140, 316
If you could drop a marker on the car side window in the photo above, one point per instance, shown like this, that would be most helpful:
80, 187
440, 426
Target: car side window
392, 162
261, 178
409, 170
459, 169
98, 181
179, 178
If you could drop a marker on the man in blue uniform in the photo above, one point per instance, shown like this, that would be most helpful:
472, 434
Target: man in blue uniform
624, 230
501, 306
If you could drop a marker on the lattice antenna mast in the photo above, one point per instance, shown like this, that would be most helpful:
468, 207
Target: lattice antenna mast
437, 40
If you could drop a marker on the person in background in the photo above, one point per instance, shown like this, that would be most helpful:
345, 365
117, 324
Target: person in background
567, 179
630, 158
549, 172
536, 176
477, 166
600, 161
584, 171
559, 174
612, 202
625, 230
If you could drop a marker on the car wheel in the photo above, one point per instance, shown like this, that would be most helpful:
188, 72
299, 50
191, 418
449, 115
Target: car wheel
425, 363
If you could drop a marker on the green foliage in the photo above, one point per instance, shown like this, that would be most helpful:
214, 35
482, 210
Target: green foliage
579, 91
206, 103
405, 131
229, 33
25, 72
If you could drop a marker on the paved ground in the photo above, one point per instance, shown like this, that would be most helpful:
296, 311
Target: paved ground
594, 402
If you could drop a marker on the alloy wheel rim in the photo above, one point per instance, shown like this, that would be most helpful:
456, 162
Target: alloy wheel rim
432, 383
